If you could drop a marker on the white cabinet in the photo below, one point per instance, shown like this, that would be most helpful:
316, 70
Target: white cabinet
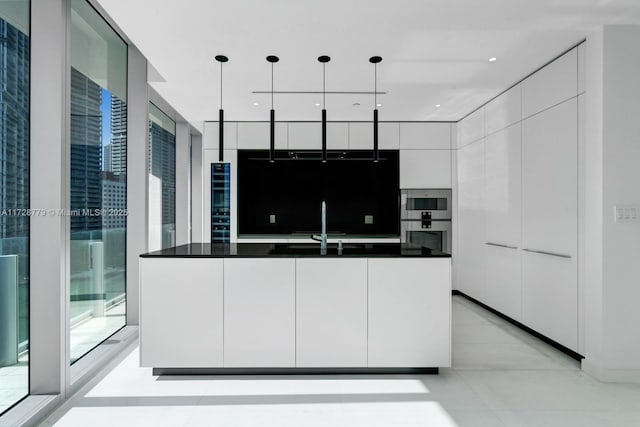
181, 298
502, 193
259, 312
211, 138
504, 110
550, 297
549, 179
256, 135
503, 280
420, 136
409, 313
308, 136
471, 214
425, 169
361, 136
551, 85
331, 312
471, 128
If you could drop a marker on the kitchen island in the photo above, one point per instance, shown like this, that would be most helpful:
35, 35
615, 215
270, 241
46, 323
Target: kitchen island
259, 307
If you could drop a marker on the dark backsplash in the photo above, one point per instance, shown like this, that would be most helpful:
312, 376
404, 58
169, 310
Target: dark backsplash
363, 197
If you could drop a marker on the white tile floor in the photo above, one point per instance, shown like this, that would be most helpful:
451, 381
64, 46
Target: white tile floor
501, 377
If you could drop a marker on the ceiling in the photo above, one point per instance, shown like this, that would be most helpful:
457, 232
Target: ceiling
435, 52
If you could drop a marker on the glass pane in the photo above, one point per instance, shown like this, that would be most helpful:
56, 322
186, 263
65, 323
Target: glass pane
162, 179
98, 199
14, 202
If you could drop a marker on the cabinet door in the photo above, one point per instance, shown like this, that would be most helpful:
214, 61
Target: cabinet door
503, 279
502, 180
181, 312
331, 312
409, 313
471, 128
551, 85
550, 180
550, 297
421, 136
471, 247
308, 136
361, 136
425, 169
504, 110
255, 136
259, 312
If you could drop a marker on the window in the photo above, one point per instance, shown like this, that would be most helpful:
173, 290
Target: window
162, 179
98, 166
14, 202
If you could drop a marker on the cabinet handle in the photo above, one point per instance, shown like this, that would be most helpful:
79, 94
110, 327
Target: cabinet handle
547, 253
500, 245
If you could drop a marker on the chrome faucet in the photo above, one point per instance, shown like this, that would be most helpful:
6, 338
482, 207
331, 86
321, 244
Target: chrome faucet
322, 238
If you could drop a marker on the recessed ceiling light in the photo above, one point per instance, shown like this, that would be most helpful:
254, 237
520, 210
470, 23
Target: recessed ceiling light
437, 105
492, 59
378, 105
317, 104
255, 104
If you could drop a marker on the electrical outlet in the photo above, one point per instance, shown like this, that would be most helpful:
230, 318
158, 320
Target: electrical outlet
368, 219
272, 219
626, 213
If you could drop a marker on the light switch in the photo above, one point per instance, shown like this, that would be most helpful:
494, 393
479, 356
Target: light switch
272, 219
626, 213
368, 219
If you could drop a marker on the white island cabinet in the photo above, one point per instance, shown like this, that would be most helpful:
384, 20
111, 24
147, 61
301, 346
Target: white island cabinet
265, 310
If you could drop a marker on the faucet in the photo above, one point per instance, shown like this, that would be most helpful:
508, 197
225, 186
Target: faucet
322, 238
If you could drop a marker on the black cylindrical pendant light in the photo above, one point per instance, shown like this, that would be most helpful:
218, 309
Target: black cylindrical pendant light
221, 59
272, 132
375, 60
324, 59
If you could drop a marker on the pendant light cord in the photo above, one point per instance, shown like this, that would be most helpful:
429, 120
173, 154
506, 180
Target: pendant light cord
375, 86
323, 85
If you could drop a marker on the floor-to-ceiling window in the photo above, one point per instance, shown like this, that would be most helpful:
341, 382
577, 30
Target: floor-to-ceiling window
162, 179
14, 202
98, 180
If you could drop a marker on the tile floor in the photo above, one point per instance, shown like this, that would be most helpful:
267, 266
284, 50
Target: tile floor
14, 380
501, 376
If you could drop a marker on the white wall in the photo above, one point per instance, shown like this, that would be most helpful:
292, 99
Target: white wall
612, 248
425, 151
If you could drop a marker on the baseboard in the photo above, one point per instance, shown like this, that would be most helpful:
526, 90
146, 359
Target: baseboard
525, 328
291, 371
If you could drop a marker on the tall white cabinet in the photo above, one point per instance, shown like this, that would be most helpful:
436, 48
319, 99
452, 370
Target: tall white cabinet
518, 160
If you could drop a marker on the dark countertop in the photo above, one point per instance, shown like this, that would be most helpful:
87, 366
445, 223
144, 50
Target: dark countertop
296, 250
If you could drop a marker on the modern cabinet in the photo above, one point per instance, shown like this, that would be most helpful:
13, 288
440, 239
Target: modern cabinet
502, 180
259, 312
361, 136
550, 297
408, 313
471, 217
553, 84
255, 136
308, 136
504, 110
503, 289
421, 136
425, 169
331, 313
550, 179
182, 298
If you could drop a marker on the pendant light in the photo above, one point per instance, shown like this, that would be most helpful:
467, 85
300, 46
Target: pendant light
221, 59
323, 60
375, 60
272, 138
